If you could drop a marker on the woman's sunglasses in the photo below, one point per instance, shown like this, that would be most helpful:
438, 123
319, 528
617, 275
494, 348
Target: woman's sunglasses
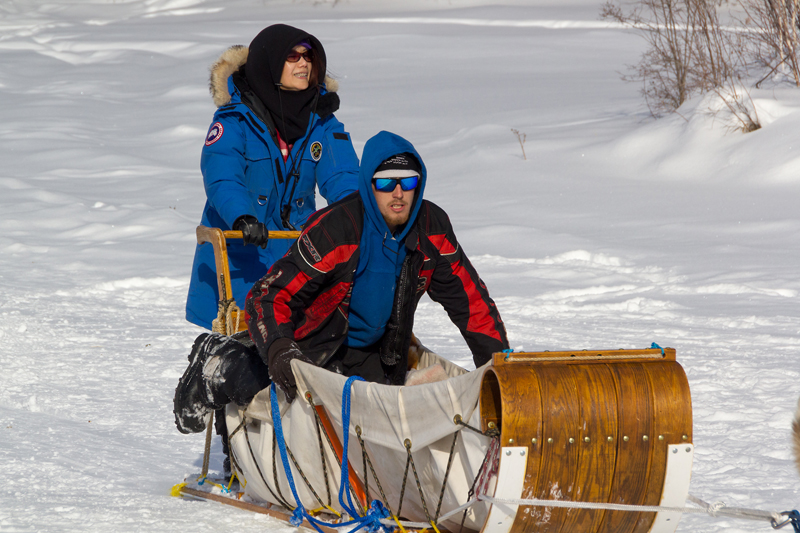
294, 56
389, 184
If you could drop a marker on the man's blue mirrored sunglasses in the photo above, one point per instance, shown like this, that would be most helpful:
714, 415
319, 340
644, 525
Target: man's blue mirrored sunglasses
389, 184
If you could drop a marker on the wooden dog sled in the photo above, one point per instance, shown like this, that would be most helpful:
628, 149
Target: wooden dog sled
477, 451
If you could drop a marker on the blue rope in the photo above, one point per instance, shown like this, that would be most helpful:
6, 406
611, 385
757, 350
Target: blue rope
371, 521
299, 512
655, 346
344, 487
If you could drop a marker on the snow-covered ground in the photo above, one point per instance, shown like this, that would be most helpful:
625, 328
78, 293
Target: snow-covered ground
616, 231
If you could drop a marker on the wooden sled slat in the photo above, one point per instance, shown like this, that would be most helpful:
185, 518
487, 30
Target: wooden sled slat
669, 413
582, 357
561, 422
633, 451
598, 402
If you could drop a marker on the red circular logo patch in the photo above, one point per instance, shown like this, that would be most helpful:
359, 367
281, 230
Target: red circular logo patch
214, 133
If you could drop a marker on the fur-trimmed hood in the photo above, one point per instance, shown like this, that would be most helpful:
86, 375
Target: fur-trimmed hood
228, 63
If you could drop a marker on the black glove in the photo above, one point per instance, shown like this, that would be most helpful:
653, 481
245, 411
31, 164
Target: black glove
253, 231
280, 355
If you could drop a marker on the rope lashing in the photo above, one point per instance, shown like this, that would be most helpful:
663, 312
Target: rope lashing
718, 509
372, 519
489, 452
344, 488
654, 346
364, 461
202, 480
260, 473
407, 444
491, 433
403, 486
275, 468
368, 461
424, 525
508, 352
310, 399
321, 449
446, 475
299, 511
305, 479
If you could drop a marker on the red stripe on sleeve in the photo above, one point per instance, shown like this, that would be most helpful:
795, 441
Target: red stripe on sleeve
444, 246
280, 305
340, 254
480, 318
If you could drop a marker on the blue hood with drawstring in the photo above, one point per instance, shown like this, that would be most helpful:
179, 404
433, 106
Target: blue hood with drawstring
381, 253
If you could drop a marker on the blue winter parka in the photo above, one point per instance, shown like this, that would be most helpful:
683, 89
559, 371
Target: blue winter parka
244, 173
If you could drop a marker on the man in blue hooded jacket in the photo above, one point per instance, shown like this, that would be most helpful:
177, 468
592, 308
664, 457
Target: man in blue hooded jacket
344, 295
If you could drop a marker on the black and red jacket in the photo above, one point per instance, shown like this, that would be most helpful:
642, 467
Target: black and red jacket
306, 294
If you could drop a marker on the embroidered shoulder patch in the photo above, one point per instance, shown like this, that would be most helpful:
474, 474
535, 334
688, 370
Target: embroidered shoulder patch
214, 133
316, 150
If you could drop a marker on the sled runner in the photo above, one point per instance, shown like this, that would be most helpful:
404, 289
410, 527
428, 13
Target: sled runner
477, 451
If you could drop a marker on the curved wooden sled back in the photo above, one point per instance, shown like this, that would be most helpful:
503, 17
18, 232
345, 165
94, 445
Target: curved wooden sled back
601, 426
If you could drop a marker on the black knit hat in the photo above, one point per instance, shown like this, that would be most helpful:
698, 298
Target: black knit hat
399, 166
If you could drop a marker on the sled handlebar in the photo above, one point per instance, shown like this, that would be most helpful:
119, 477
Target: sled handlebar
232, 234
218, 239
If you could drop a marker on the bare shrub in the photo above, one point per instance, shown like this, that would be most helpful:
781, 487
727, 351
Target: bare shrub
775, 41
740, 106
689, 51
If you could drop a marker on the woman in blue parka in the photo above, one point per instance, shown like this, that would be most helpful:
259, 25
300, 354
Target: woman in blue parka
273, 139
